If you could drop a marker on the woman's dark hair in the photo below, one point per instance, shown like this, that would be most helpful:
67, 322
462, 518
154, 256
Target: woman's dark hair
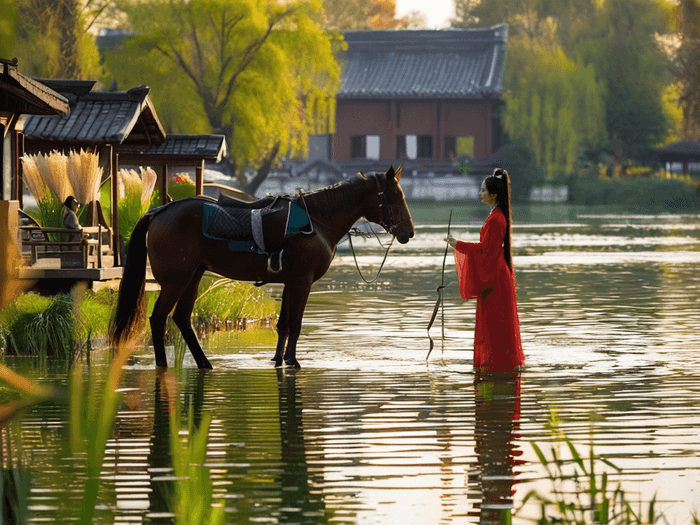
69, 200
499, 184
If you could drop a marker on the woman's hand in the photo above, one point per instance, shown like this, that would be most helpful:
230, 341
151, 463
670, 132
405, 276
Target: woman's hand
451, 240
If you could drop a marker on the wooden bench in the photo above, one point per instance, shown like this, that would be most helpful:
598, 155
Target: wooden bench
50, 247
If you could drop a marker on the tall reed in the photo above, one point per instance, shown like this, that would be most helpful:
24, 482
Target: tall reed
193, 501
134, 198
85, 175
581, 492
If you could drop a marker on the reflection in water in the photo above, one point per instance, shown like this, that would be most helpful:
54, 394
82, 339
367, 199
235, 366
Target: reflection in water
497, 416
160, 458
367, 433
299, 503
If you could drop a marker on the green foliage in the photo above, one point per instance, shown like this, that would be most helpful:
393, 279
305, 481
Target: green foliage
181, 187
634, 193
8, 17
553, 104
53, 42
248, 66
621, 45
222, 302
581, 492
39, 326
520, 162
192, 502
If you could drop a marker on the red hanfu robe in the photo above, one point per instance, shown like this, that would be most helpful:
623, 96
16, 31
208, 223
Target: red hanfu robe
483, 272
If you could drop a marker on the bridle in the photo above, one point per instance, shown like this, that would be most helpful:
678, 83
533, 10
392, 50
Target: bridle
386, 222
386, 208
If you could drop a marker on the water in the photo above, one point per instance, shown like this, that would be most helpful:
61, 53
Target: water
368, 432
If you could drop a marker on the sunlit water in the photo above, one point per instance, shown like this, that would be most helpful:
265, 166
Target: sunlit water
368, 432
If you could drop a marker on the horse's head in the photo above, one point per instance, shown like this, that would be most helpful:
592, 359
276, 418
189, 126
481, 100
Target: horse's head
393, 212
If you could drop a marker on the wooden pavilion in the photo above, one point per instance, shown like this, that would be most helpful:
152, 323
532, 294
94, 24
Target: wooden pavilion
122, 127
19, 95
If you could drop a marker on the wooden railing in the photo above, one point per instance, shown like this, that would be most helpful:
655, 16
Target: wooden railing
90, 247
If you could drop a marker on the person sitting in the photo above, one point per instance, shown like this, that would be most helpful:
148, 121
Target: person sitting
70, 218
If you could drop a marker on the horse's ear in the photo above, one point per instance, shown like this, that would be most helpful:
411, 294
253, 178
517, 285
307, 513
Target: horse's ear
398, 173
390, 173
361, 175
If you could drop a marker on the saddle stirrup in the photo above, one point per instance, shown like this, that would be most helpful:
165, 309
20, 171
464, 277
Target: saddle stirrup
274, 262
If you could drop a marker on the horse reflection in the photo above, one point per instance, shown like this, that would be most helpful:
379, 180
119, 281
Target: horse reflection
497, 402
300, 504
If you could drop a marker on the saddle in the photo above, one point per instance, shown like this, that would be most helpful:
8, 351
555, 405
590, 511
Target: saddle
261, 226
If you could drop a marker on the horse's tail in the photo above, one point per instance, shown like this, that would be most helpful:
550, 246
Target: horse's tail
131, 304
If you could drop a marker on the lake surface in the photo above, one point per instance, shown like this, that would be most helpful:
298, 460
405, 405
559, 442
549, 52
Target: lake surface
368, 432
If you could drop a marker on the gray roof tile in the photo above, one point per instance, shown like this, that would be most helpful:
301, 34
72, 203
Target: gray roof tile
96, 117
454, 63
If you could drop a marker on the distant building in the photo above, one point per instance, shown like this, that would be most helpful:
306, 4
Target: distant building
423, 98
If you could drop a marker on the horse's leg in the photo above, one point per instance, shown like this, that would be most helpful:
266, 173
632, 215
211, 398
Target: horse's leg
282, 328
296, 304
167, 298
183, 319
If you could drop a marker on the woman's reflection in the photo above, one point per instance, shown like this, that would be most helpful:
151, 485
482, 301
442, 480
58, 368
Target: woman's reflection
497, 409
299, 503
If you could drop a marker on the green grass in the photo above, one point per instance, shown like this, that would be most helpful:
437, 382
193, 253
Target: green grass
52, 326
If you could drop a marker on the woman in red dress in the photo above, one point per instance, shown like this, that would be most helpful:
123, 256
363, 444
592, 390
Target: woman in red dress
485, 271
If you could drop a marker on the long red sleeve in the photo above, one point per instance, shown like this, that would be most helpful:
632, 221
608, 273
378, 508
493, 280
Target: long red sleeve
477, 263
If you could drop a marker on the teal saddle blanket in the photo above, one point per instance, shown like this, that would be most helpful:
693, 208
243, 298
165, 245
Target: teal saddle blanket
255, 230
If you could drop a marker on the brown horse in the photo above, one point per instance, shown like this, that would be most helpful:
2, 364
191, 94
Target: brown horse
179, 254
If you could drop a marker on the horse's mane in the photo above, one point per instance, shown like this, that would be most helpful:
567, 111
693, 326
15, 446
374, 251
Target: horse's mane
326, 198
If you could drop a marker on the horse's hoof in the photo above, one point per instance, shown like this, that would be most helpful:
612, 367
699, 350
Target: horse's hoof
162, 365
278, 362
292, 362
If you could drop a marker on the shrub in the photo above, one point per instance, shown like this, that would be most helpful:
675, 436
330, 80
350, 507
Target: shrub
634, 193
182, 186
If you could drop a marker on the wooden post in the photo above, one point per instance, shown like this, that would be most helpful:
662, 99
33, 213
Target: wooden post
164, 184
199, 176
114, 196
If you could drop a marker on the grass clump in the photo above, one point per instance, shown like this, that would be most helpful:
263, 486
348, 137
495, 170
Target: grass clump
39, 326
223, 303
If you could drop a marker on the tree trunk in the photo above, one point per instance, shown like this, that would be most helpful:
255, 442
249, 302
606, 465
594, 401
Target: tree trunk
252, 186
69, 25
689, 58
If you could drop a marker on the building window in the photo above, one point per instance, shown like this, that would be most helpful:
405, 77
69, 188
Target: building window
411, 146
459, 147
401, 147
372, 147
425, 146
357, 147
365, 147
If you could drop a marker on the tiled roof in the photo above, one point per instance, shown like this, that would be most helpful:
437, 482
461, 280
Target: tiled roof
21, 94
681, 149
98, 117
449, 63
202, 147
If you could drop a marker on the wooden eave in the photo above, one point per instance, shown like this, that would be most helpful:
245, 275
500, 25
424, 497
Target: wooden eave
22, 95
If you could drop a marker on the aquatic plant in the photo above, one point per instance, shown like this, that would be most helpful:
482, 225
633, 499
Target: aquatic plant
222, 302
193, 501
593, 498
92, 423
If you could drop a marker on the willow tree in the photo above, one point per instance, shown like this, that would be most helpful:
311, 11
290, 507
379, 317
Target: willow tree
688, 61
553, 104
53, 38
260, 72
